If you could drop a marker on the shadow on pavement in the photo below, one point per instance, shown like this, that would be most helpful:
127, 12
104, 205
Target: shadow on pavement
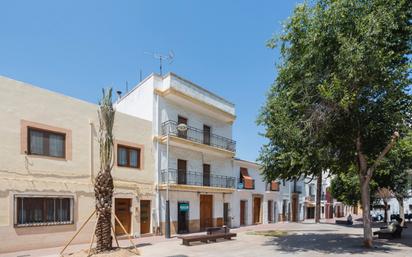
333, 243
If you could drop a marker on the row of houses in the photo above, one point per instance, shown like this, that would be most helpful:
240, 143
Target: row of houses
173, 147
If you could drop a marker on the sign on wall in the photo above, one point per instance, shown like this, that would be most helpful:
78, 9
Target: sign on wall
183, 207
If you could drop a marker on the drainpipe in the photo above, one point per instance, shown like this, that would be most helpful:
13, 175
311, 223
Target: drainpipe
159, 202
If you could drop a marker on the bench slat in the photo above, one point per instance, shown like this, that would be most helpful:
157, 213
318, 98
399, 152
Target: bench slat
205, 238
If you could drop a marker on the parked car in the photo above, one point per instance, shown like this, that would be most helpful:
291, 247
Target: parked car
395, 216
377, 217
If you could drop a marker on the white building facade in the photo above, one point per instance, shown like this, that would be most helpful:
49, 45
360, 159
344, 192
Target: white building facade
254, 201
193, 149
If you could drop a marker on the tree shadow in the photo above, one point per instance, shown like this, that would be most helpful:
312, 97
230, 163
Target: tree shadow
334, 243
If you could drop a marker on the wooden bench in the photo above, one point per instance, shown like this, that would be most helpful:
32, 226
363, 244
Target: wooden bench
343, 222
217, 230
384, 233
206, 238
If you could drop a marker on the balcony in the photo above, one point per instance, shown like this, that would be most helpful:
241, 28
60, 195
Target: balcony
297, 189
193, 178
169, 128
186, 93
309, 198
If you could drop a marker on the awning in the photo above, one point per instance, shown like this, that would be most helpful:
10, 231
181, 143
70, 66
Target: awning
274, 185
247, 180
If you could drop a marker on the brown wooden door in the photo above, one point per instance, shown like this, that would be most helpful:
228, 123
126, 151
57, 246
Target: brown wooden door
206, 211
122, 211
242, 212
206, 175
181, 171
226, 219
144, 216
256, 210
206, 135
181, 120
270, 214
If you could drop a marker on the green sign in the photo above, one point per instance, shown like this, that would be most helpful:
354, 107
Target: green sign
184, 207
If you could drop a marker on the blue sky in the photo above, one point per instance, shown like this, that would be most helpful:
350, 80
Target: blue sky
78, 47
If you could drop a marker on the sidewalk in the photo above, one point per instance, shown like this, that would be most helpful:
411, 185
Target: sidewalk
139, 242
304, 239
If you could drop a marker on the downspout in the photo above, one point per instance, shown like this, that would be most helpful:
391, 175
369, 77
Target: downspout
158, 164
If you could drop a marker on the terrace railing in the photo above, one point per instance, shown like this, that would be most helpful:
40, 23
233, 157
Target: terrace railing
198, 136
194, 178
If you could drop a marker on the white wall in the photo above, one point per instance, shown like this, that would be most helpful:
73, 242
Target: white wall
139, 101
170, 111
195, 160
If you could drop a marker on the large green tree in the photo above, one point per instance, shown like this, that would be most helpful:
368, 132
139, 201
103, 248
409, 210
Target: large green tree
343, 78
345, 188
395, 171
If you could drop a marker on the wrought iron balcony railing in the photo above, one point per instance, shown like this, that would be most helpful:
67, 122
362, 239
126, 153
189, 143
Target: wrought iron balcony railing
198, 136
194, 178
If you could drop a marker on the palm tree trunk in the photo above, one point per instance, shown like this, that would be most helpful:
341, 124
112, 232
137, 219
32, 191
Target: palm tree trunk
104, 194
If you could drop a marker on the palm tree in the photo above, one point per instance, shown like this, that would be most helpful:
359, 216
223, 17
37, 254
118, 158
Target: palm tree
103, 186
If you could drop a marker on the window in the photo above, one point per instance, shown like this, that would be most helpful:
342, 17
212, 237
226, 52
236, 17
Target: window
311, 190
31, 211
128, 156
46, 143
206, 175
181, 120
246, 181
206, 135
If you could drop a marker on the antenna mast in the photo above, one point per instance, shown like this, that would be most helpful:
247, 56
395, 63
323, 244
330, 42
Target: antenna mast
162, 57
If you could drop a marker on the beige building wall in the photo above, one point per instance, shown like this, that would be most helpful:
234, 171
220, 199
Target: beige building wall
23, 105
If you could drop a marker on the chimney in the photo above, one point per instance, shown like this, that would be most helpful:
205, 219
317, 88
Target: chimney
119, 95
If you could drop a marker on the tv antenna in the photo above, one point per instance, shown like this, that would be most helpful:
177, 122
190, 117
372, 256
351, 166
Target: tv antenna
162, 57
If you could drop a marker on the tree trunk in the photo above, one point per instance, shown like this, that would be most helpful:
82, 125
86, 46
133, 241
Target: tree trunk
365, 196
103, 190
365, 175
385, 215
401, 210
318, 197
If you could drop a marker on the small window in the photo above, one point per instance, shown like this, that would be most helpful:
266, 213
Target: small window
128, 156
46, 143
35, 211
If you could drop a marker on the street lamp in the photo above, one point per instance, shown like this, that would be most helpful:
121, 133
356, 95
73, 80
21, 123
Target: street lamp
182, 128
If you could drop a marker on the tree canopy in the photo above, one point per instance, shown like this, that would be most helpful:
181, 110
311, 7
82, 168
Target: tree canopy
341, 90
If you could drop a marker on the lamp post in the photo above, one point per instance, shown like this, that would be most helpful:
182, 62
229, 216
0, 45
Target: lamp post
167, 232
182, 128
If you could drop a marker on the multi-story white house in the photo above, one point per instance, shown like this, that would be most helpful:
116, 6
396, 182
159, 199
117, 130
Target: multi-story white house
292, 200
174, 157
193, 149
254, 201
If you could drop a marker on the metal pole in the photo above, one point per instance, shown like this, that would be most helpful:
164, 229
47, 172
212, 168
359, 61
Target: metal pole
167, 230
